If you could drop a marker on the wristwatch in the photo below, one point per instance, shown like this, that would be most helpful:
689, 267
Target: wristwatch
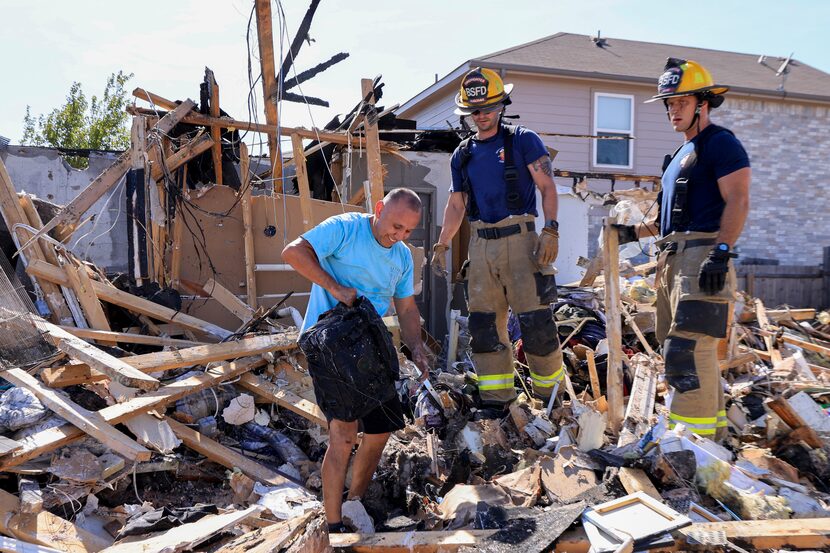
552, 223
722, 247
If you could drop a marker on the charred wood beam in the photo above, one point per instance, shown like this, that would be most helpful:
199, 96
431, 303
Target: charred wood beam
291, 97
297, 43
309, 73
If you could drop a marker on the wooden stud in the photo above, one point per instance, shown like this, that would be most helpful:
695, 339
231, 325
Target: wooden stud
167, 360
114, 368
90, 422
284, 398
372, 148
611, 268
792, 419
50, 439
46, 529
188, 536
226, 457
228, 300
760, 535
302, 182
81, 284
412, 542
129, 338
184, 154
593, 374
269, 85
118, 297
154, 99
215, 130
13, 214
248, 226
761, 313
636, 480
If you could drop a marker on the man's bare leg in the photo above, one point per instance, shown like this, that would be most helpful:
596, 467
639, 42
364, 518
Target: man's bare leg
342, 438
366, 461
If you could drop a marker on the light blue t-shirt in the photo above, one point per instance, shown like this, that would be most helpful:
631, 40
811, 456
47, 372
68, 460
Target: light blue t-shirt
348, 251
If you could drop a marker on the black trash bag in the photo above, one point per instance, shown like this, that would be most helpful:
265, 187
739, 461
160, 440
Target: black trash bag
352, 360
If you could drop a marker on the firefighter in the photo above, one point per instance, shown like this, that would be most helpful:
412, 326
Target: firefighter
495, 174
702, 208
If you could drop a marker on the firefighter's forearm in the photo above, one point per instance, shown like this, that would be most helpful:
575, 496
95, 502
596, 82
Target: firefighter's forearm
732, 221
550, 201
453, 217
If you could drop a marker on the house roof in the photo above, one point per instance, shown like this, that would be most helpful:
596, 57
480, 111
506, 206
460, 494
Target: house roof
632, 60
576, 55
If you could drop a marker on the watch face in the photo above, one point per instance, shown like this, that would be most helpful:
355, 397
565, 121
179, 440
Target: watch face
723, 247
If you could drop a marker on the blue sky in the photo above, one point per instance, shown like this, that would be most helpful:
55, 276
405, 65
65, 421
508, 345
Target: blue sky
46, 45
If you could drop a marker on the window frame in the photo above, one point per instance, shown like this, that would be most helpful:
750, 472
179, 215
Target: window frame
597, 130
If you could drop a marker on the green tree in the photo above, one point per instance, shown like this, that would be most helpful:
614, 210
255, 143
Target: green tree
96, 124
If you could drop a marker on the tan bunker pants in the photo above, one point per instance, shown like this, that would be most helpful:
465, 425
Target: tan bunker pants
690, 323
503, 272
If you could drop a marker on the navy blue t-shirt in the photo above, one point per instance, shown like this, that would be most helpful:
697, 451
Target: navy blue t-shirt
722, 154
486, 171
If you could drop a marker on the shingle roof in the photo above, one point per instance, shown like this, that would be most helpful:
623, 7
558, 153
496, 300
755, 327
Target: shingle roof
631, 60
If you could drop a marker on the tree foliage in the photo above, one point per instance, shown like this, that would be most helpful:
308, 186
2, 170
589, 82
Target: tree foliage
95, 124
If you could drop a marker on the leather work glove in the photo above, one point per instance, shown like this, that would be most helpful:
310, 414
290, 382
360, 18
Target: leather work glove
439, 259
713, 270
626, 233
548, 247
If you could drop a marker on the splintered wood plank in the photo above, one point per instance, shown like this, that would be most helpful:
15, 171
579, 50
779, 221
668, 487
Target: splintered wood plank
81, 284
187, 536
46, 529
284, 398
126, 300
101, 361
200, 355
13, 214
636, 480
226, 457
268, 539
792, 419
414, 542
372, 148
90, 422
248, 227
7, 445
154, 99
215, 131
594, 375
761, 313
611, 268
181, 156
50, 439
302, 181
269, 85
128, 338
83, 373
228, 300
760, 535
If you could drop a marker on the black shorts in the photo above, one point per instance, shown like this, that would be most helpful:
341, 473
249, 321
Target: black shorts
386, 417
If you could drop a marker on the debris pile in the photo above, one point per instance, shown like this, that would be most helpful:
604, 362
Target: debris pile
128, 423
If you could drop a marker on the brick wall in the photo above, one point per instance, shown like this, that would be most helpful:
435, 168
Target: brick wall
789, 148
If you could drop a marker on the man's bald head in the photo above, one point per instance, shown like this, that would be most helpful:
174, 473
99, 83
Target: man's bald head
405, 197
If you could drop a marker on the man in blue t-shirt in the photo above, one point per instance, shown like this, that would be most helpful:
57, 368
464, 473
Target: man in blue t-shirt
703, 204
495, 175
351, 255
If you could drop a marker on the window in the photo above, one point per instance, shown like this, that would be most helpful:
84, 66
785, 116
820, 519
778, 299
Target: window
613, 116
